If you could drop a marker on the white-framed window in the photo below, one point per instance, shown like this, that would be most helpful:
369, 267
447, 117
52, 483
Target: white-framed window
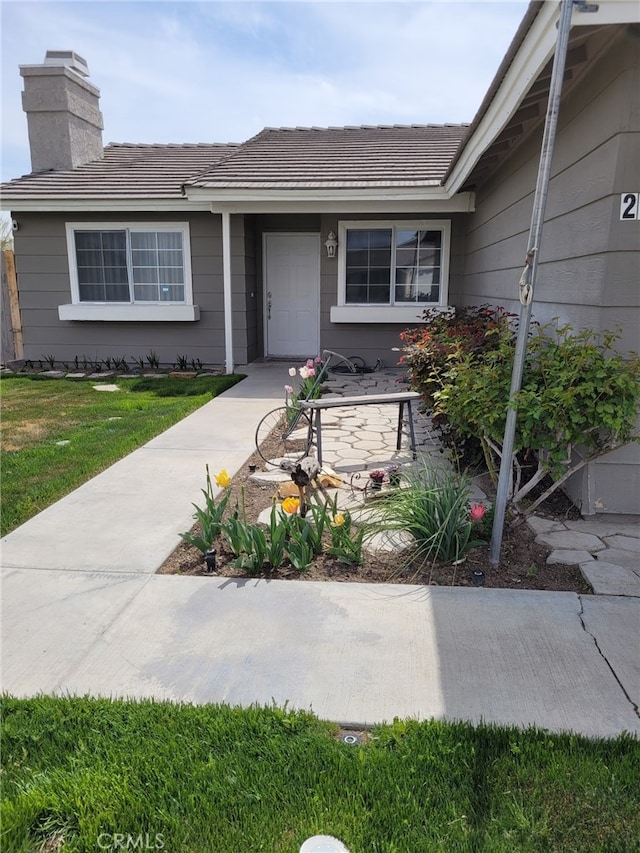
129, 270
390, 271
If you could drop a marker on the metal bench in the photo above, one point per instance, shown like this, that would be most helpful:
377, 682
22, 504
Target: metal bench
402, 398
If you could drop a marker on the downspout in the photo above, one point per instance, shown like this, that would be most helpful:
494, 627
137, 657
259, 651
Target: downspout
528, 278
226, 281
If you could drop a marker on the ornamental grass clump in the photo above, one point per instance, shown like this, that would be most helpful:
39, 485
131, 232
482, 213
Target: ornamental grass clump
434, 509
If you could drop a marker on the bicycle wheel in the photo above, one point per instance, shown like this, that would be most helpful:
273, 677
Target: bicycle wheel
278, 438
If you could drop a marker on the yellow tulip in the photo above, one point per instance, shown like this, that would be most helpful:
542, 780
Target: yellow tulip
338, 519
223, 479
290, 505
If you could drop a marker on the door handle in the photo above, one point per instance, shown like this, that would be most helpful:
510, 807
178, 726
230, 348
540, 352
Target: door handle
269, 305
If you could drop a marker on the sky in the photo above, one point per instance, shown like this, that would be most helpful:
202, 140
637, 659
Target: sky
216, 71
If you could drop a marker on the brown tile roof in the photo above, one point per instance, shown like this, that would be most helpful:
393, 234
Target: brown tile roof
338, 157
127, 171
334, 157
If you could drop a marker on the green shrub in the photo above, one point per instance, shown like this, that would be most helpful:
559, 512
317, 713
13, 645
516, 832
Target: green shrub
431, 351
577, 392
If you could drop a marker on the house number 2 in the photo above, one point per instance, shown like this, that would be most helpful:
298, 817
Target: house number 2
629, 204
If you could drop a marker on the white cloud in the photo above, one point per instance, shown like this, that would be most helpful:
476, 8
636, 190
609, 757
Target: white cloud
219, 72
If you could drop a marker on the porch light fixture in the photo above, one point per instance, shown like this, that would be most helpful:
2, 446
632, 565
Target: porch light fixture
332, 244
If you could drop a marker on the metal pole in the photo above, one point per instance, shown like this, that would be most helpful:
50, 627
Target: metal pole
227, 288
528, 278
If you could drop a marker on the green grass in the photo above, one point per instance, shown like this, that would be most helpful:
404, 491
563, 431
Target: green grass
226, 780
100, 426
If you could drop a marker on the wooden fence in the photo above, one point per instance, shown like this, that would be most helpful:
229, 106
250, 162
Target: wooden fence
10, 323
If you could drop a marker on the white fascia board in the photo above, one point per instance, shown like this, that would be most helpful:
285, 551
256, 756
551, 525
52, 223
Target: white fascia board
240, 195
429, 202
536, 50
608, 12
460, 203
534, 53
45, 205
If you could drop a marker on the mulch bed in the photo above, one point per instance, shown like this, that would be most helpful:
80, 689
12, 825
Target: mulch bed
522, 562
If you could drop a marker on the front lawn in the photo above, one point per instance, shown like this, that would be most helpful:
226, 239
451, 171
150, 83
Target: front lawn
88, 774
56, 434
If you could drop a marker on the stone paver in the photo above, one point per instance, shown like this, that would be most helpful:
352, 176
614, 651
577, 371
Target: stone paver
544, 525
604, 528
568, 557
570, 540
624, 543
609, 579
621, 558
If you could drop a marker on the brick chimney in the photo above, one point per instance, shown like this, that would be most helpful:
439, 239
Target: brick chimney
63, 115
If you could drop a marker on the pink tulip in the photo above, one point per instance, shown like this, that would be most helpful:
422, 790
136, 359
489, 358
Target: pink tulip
310, 362
288, 389
477, 511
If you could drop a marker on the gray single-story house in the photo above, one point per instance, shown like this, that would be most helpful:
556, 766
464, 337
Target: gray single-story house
302, 239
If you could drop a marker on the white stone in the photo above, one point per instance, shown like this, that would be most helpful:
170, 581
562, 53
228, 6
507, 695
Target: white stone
389, 541
354, 453
367, 445
323, 844
270, 477
334, 446
105, 388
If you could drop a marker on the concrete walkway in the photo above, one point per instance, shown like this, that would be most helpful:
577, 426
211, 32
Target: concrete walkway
84, 611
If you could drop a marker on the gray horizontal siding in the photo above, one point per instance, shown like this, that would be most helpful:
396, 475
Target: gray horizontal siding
377, 340
589, 263
43, 280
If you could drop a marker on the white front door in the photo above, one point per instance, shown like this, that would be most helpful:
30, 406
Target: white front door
292, 294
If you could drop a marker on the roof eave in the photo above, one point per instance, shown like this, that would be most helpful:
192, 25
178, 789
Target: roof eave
530, 50
299, 193
91, 205
434, 199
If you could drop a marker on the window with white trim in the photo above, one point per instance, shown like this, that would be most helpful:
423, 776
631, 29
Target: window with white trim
129, 271
133, 264
401, 266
